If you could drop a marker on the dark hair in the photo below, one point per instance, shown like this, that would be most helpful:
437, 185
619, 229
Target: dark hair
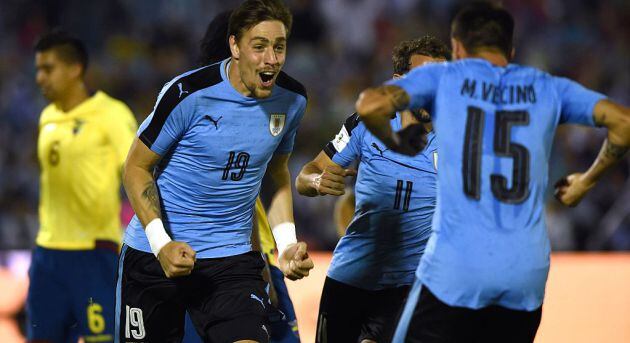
484, 25
214, 45
427, 46
69, 48
252, 12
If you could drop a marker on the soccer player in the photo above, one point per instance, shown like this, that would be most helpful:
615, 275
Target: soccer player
83, 141
193, 175
482, 277
373, 265
282, 320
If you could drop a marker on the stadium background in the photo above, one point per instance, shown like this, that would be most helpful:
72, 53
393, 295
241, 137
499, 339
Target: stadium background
336, 48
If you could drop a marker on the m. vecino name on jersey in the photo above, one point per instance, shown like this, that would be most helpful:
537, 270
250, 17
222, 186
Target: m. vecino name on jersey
499, 95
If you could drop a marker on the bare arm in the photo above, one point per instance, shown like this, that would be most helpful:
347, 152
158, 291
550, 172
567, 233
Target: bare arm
376, 106
281, 209
616, 118
293, 258
176, 258
344, 211
322, 176
139, 183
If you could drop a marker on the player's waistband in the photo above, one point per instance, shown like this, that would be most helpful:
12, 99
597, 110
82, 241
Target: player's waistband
99, 244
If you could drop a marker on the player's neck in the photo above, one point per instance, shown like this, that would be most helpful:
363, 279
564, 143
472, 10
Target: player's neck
234, 77
73, 97
496, 58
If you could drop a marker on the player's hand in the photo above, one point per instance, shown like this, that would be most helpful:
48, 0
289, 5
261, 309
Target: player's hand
410, 140
177, 259
331, 181
571, 189
295, 262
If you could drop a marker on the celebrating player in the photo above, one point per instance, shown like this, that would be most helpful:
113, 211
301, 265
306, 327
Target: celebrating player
482, 277
373, 264
282, 320
193, 176
83, 141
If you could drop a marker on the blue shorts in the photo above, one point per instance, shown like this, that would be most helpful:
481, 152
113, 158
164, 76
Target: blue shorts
283, 325
71, 294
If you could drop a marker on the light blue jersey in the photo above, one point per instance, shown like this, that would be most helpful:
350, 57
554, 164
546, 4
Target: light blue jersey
495, 125
395, 200
215, 144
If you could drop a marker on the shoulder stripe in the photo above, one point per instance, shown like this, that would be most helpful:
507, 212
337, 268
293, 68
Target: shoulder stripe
352, 122
178, 90
286, 81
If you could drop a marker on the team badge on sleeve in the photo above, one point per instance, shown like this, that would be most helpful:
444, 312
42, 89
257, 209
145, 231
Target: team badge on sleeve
276, 123
342, 139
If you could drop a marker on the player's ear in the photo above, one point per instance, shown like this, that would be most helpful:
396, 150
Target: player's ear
76, 70
397, 76
234, 47
512, 53
457, 48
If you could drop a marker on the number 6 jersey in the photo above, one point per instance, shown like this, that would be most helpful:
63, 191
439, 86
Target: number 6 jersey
495, 127
215, 144
395, 200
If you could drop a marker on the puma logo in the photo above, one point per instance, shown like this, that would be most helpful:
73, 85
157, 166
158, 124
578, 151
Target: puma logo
181, 90
215, 122
378, 149
253, 296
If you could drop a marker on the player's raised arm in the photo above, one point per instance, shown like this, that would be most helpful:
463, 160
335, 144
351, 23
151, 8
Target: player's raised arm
616, 118
293, 258
375, 106
176, 258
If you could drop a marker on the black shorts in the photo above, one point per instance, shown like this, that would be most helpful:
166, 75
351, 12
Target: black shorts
225, 297
349, 314
435, 321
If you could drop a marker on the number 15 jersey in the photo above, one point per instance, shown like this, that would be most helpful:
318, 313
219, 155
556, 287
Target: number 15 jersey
495, 127
215, 145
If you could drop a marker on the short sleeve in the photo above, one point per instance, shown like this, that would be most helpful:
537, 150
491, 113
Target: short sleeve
346, 146
286, 145
121, 131
576, 102
421, 84
168, 122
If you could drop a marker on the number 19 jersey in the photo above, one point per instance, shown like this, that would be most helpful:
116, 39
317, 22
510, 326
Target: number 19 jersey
215, 145
495, 127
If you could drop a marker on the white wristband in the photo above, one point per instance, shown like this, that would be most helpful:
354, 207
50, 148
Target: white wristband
284, 234
157, 235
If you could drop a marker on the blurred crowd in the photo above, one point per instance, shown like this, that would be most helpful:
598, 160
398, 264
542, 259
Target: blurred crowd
336, 48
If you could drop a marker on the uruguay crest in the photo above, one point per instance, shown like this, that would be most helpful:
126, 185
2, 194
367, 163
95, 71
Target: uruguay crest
276, 123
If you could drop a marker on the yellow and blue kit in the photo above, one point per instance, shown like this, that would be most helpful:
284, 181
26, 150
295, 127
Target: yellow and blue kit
72, 275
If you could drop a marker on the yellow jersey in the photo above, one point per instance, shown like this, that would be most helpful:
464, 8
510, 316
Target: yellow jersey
81, 153
267, 243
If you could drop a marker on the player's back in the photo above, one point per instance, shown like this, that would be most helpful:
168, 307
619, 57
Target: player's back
495, 127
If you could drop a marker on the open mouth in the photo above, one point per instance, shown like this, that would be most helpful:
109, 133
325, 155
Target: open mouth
267, 78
